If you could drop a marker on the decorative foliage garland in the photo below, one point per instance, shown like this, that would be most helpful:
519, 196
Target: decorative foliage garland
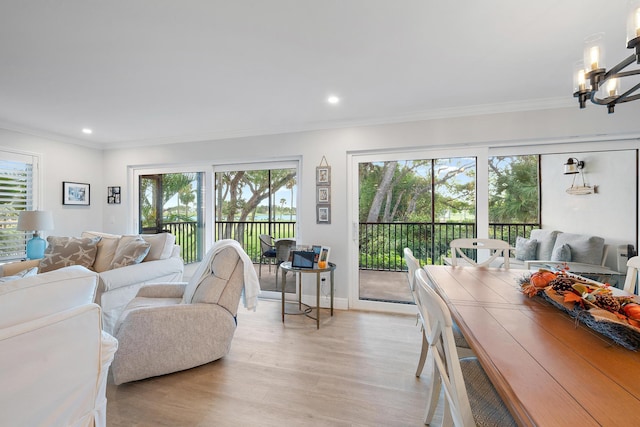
595, 305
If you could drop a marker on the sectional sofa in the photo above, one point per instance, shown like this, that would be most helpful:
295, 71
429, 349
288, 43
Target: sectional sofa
124, 264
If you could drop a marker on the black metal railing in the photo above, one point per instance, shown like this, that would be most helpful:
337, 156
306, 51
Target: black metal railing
247, 233
189, 239
382, 244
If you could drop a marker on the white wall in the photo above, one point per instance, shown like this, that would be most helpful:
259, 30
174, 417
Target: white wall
609, 213
550, 132
64, 162
522, 131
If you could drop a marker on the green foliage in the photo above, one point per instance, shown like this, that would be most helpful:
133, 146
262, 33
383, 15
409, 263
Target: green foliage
513, 189
403, 217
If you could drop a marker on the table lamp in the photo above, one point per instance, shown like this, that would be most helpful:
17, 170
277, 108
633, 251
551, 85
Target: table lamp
35, 221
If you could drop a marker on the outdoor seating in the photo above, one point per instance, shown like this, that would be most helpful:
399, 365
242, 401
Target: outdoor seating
497, 248
267, 252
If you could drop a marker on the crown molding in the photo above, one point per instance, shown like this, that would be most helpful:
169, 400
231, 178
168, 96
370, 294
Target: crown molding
432, 114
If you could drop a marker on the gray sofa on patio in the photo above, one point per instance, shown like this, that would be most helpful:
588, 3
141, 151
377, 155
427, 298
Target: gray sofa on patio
580, 252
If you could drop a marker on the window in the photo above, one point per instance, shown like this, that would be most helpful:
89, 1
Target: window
514, 196
17, 193
172, 202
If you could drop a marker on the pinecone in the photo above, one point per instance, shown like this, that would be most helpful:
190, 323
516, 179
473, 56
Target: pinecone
607, 302
562, 284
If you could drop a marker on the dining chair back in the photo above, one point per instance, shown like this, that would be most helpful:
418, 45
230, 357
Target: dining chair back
413, 265
470, 404
497, 248
633, 266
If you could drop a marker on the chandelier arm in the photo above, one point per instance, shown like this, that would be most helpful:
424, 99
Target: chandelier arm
612, 100
621, 66
625, 96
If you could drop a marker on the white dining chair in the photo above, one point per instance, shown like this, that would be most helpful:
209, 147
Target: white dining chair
497, 248
633, 266
412, 266
469, 397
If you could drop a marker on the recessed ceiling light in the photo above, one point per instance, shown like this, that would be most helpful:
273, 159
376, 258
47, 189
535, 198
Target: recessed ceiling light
87, 131
333, 100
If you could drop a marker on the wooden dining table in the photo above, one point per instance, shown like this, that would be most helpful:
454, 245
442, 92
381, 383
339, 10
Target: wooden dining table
549, 369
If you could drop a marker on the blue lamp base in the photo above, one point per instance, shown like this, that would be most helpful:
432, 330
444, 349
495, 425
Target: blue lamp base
36, 247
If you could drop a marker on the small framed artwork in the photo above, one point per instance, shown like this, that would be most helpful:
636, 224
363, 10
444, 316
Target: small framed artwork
324, 254
76, 193
324, 214
113, 195
323, 195
323, 175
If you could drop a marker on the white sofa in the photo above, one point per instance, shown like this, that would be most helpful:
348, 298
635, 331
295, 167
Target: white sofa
54, 356
108, 254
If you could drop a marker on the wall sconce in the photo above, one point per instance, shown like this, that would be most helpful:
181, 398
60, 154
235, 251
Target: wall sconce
573, 166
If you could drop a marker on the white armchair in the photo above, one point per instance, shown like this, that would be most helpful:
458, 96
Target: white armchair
54, 356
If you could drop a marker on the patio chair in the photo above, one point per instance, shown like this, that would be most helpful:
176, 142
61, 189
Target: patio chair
267, 252
497, 248
469, 397
633, 266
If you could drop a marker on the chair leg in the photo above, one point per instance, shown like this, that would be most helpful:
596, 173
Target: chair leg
423, 354
260, 269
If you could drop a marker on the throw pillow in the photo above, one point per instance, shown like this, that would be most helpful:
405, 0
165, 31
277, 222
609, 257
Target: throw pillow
561, 253
584, 248
24, 273
106, 249
131, 250
526, 248
66, 251
161, 245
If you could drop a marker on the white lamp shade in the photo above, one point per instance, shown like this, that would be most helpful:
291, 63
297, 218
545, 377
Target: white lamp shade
35, 221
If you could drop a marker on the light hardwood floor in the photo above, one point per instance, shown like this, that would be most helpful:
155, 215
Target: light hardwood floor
357, 370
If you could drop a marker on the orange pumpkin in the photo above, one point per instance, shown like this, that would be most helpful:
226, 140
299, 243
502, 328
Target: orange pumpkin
632, 310
541, 279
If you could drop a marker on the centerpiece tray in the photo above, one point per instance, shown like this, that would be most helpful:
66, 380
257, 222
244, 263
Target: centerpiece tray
601, 307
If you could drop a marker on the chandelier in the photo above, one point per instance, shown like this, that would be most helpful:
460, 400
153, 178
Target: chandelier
592, 80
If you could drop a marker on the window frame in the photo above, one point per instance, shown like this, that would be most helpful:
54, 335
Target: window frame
32, 201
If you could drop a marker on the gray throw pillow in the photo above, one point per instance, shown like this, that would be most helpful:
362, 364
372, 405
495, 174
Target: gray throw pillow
66, 251
561, 253
131, 250
526, 248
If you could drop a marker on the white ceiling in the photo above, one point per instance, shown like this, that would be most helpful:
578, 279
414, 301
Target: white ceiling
156, 71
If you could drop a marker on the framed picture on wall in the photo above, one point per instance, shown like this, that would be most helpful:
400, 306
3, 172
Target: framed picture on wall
76, 193
113, 195
323, 175
324, 214
323, 194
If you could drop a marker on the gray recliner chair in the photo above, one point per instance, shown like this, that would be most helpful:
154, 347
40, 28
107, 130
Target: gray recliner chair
172, 327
